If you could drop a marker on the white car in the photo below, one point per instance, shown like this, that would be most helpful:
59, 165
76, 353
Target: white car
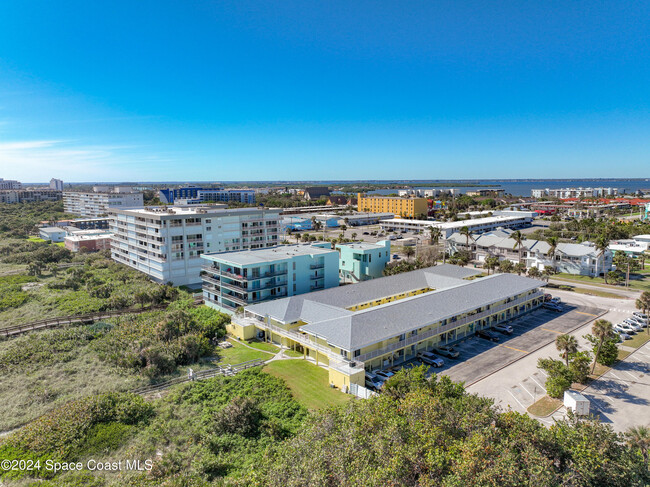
641, 316
623, 335
384, 375
625, 328
636, 326
638, 321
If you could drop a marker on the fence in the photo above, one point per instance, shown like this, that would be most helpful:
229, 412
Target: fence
227, 370
361, 392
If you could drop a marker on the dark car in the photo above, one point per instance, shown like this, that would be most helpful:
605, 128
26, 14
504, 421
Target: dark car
552, 307
366, 233
448, 352
488, 335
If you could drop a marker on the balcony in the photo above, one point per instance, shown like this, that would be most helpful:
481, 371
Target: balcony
317, 266
314, 278
448, 327
235, 299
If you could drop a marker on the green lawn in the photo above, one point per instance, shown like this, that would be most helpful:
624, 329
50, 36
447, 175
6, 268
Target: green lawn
637, 340
267, 347
544, 406
238, 353
291, 353
37, 239
639, 281
308, 382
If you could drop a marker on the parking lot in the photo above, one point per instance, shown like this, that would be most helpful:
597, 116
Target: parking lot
480, 358
621, 396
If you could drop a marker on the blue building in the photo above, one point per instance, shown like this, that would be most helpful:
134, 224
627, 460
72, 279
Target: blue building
362, 261
206, 195
236, 279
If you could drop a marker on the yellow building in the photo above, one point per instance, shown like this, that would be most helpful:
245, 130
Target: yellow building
384, 322
404, 207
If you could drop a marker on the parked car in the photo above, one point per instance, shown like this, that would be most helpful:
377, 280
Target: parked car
366, 233
635, 326
625, 328
384, 374
430, 359
395, 256
505, 329
552, 307
623, 336
449, 352
638, 314
488, 335
638, 321
547, 297
557, 301
373, 382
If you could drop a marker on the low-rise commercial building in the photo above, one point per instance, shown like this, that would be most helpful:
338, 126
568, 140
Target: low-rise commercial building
235, 279
98, 202
91, 242
475, 225
362, 261
383, 322
53, 234
404, 207
167, 243
316, 193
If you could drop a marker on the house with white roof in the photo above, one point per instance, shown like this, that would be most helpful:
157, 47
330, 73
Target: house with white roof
573, 258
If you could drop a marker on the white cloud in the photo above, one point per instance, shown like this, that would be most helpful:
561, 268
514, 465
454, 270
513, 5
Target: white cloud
39, 160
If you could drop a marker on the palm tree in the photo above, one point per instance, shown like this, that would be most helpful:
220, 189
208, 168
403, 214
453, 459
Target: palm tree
534, 272
639, 437
552, 242
519, 238
567, 344
643, 303
519, 268
602, 243
409, 252
601, 329
354, 235
468, 236
435, 234
491, 263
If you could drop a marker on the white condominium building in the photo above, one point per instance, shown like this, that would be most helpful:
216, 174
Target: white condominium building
10, 184
56, 184
167, 243
97, 203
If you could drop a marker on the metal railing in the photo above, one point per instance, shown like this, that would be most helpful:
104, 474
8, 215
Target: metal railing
443, 329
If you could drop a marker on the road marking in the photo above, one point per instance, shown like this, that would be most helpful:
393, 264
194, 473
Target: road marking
513, 396
583, 313
558, 332
522, 386
612, 373
540, 385
515, 349
545, 374
633, 377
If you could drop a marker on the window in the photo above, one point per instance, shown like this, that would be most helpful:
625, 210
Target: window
294, 288
357, 353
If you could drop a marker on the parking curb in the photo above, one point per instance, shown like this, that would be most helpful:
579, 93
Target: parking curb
533, 351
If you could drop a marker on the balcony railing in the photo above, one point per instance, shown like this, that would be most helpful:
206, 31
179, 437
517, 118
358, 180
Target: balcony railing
316, 266
449, 326
313, 278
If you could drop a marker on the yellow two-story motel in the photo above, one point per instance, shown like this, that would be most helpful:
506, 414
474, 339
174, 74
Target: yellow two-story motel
383, 322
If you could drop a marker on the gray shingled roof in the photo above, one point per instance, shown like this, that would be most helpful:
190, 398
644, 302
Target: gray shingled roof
289, 310
379, 323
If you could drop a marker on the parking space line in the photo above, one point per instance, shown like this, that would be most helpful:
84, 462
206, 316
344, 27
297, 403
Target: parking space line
612, 373
541, 371
540, 385
633, 377
554, 331
513, 396
513, 348
583, 313
522, 386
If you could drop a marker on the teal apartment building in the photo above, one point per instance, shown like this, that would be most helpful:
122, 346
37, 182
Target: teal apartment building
362, 261
236, 279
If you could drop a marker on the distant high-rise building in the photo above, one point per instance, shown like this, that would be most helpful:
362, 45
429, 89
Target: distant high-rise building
102, 198
56, 184
197, 195
10, 184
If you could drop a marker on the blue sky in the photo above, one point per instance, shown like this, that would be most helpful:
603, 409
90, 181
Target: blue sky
259, 90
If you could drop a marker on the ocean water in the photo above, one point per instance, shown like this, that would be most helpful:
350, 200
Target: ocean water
523, 188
